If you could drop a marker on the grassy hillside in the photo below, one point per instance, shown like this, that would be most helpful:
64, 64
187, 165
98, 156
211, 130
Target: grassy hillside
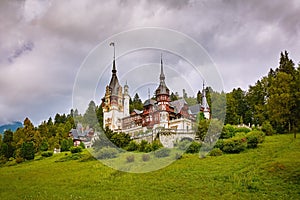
272, 171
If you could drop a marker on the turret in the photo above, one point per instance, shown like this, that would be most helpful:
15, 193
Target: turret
126, 100
204, 106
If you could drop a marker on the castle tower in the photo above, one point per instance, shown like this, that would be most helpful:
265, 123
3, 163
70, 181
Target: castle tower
112, 103
163, 98
126, 100
204, 106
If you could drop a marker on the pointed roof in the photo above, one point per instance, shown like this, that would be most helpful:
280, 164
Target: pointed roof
162, 88
178, 104
195, 109
149, 102
204, 104
114, 82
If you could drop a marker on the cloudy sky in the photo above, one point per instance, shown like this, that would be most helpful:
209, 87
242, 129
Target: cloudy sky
43, 43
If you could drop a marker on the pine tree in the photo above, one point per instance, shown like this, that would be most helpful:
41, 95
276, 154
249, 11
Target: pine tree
90, 117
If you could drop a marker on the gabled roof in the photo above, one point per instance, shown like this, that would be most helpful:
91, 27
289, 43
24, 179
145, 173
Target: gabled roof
195, 109
149, 102
74, 133
178, 105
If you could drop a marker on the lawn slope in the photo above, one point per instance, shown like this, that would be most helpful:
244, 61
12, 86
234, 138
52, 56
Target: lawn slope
271, 171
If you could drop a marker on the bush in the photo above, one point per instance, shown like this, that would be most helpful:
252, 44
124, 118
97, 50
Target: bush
254, 137
183, 145
234, 145
145, 157
216, 152
143, 145
156, 144
242, 129
219, 144
132, 146
65, 145
82, 145
240, 134
194, 147
77, 149
19, 159
130, 158
47, 154
178, 156
227, 131
148, 148
107, 153
267, 128
163, 152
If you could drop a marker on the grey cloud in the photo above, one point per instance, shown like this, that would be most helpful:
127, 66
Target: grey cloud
244, 38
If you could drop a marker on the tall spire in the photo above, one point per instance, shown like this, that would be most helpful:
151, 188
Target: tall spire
114, 83
114, 70
162, 88
204, 100
162, 75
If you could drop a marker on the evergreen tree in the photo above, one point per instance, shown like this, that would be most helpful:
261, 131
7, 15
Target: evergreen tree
7, 146
199, 97
231, 110
136, 103
173, 97
90, 117
281, 102
27, 151
218, 105
99, 113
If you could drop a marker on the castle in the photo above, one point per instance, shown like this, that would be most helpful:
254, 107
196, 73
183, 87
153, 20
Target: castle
159, 113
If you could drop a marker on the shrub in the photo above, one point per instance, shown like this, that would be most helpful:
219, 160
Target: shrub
130, 158
145, 157
77, 149
163, 152
227, 131
267, 128
178, 156
82, 145
242, 129
234, 145
194, 147
254, 137
156, 144
107, 153
132, 146
216, 152
47, 154
65, 145
183, 145
252, 141
219, 144
143, 145
19, 159
121, 140
148, 148
240, 134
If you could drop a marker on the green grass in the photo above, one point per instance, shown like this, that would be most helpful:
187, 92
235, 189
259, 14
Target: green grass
272, 171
